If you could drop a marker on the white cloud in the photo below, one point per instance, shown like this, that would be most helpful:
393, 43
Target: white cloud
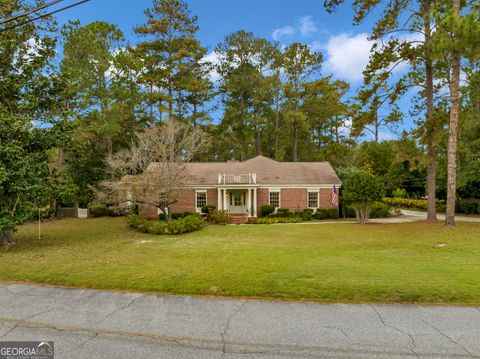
283, 32
304, 25
307, 26
347, 55
386, 136
214, 59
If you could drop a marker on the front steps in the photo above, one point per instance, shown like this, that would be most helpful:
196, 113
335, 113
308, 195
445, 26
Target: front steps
237, 218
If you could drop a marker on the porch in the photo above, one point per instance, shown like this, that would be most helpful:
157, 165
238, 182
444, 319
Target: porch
237, 193
238, 200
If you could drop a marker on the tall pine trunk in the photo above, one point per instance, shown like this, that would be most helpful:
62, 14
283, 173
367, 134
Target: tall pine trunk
277, 129
453, 131
258, 141
430, 127
295, 145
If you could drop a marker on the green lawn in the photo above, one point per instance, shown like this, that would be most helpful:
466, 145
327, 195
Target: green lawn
410, 262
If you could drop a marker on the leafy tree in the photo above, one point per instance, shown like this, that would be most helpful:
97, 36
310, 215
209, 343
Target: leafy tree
26, 54
89, 54
361, 189
26, 183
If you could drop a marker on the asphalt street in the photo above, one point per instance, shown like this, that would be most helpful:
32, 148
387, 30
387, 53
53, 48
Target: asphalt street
102, 324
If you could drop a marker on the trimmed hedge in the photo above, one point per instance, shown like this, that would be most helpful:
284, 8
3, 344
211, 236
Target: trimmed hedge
182, 225
326, 213
101, 210
268, 220
413, 203
266, 210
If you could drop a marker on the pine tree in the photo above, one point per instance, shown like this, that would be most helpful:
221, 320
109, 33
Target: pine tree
170, 54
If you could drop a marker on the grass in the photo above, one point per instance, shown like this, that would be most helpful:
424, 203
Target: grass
408, 262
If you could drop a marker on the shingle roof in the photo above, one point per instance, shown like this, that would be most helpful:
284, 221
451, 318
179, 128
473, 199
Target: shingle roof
268, 171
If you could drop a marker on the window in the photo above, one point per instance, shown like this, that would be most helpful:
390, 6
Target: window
201, 199
312, 199
237, 199
275, 199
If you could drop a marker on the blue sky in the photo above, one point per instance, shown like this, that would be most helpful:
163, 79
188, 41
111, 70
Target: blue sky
345, 47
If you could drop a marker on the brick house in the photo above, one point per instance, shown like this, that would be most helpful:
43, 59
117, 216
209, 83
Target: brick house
243, 187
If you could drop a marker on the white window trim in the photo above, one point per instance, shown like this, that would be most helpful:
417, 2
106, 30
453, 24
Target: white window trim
206, 199
317, 191
279, 197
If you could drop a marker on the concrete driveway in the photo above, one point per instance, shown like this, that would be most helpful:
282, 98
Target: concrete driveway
102, 324
414, 216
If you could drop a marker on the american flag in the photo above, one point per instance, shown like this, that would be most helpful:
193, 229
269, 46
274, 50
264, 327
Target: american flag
334, 196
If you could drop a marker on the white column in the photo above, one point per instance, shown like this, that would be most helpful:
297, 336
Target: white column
249, 201
255, 202
219, 198
224, 199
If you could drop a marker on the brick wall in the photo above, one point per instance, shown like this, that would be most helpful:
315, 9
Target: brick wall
293, 198
149, 211
326, 198
262, 199
186, 201
212, 195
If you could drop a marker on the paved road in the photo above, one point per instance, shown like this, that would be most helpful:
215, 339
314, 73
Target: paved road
102, 324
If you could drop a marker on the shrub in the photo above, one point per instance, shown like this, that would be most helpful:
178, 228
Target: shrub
413, 203
157, 228
266, 209
272, 215
308, 210
321, 213
206, 209
135, 220
161, 216
178, 215
468, 206
98, 210
306, 215
332, 213
267, 220
219, 217
139, 223
114, 211
190, 213
289, 220
178, 226
350, 212
282, 210
400, 193
184, 225
380, 210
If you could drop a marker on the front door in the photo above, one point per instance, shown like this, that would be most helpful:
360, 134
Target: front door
237, 202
